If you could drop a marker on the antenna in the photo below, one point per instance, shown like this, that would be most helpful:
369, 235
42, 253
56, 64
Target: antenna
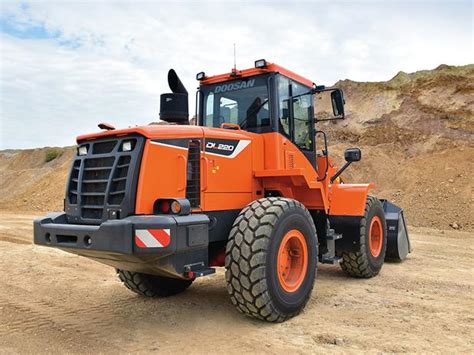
235, 62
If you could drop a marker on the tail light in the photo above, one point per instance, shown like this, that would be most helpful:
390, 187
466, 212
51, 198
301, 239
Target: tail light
172, 206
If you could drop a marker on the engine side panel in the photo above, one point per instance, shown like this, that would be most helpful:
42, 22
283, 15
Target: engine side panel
162, 174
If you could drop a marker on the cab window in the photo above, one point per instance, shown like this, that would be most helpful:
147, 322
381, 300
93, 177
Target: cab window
284, 110
295, 118
243, 101
302, 111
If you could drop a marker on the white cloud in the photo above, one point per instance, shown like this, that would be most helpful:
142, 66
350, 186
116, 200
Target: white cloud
109, 60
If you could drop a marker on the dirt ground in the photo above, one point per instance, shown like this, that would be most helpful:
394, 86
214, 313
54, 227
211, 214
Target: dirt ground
52, 301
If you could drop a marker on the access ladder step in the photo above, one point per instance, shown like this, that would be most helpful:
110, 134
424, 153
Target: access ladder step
198, 270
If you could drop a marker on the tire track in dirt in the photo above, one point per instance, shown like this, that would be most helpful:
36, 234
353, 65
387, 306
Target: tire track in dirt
89, 324
37, 315
14, 240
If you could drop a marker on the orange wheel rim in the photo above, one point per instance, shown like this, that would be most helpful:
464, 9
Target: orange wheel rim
375, 236
292, 260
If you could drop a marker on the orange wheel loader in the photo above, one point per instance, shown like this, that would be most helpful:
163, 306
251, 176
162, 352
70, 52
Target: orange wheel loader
250, 187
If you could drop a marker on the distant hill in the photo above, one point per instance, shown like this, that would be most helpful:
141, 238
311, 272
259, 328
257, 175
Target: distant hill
429, 102
416, 132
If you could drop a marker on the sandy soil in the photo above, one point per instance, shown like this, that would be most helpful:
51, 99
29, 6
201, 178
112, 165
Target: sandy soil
52, 301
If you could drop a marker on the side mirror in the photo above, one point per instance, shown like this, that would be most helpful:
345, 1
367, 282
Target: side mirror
329, 103
337, 100
352, 155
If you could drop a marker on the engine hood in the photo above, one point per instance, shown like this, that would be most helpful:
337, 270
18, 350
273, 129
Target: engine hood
170, 131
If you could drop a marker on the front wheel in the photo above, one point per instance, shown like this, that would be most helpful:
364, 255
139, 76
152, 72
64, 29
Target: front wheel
368, 261
271, 259
152, 285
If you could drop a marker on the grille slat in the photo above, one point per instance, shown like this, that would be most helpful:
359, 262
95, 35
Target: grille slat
117, 192
94, 181
95, 207
98, 168
93, 194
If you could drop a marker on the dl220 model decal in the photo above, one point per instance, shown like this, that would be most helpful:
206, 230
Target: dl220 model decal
225, 147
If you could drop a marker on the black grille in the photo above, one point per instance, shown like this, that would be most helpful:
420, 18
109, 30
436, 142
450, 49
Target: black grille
117, 190
103, 182
104, 147
193, 178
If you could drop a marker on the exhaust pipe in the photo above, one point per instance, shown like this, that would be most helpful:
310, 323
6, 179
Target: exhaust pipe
174, 106
175, 84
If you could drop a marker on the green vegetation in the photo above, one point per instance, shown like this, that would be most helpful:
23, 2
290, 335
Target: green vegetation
52, 154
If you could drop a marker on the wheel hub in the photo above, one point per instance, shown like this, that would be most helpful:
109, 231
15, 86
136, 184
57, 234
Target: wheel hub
292, 260
375, 236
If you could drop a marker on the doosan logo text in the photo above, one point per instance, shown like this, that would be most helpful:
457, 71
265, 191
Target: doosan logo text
234, 86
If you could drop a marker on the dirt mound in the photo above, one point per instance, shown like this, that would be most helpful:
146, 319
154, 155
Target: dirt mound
31, 183
416, 132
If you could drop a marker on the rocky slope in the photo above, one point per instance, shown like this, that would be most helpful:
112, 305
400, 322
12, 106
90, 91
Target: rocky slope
417, 136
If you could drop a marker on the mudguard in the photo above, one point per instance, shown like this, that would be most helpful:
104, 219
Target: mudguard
348, 199
398, 242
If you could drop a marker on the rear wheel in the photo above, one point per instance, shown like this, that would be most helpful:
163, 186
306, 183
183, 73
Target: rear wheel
368, 261
271, 259
152, 285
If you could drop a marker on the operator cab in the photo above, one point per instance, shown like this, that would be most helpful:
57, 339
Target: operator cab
267, 98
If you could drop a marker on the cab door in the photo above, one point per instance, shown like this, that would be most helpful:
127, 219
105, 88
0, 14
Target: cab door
296, 116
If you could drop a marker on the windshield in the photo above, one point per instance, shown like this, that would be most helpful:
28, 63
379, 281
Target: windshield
243, 101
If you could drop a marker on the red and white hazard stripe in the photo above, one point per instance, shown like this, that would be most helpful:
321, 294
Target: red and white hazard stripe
152, 238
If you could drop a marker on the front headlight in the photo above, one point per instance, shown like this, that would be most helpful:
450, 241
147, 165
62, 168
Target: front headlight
82, 150
127, 146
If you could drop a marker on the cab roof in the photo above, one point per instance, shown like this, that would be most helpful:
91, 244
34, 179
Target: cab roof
269, 68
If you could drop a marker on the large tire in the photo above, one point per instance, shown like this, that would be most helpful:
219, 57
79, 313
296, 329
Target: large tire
270, 236
368, 261
152, 285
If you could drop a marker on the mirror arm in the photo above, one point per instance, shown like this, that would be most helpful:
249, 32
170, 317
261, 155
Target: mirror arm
329, 119
340, 171
322, 88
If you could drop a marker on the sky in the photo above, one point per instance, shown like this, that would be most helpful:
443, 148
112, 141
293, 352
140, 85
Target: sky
66, 66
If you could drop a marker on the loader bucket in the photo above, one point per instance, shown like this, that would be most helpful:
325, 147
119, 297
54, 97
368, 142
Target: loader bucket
398, 242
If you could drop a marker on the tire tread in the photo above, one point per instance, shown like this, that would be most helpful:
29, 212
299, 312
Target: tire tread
246, 254
356, 264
